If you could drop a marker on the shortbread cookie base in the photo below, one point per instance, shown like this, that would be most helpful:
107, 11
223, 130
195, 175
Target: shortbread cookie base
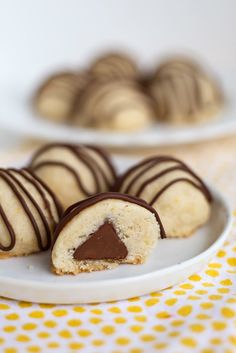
8, 255
102, 265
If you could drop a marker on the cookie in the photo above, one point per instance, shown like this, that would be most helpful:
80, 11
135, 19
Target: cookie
114, 66
104, 231
184, 93
114, 105
56, 97
180, 197
73, 172
29, 213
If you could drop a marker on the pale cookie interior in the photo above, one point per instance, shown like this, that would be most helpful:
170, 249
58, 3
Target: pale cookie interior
136, 226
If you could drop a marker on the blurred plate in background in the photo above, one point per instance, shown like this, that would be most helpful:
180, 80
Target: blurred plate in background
16, 115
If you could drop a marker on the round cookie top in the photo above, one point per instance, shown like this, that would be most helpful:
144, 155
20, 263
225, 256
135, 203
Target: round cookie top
78, 207
134, 174
56, 96
80, 152
114, 65
62, 81
183, 90
178, 64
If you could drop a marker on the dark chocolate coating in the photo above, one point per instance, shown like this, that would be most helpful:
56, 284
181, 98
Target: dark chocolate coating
76, 208
104, 244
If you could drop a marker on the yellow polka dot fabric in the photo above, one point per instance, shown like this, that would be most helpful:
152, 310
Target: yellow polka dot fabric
198, 315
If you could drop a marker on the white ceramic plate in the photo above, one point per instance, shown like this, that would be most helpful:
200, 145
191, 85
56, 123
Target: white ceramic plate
173, 261
16, 115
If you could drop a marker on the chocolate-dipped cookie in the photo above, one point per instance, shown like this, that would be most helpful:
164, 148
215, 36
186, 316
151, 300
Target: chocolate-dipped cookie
114, 105
104, 231
178, 195
73, 172
114, 66
56, 97
184, 93
29, 213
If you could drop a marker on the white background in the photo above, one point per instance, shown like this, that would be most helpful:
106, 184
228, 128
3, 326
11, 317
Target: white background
39, 36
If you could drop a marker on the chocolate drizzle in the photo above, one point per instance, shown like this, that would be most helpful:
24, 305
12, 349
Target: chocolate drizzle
11, 178
187, 73
63, 86
82, 154
36, 183
114, 66
76, 208
100, 104
150, 163
10, 231
35, 180
178, 87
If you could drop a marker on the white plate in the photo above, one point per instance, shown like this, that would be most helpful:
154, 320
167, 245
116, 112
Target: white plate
17, 116
173, 261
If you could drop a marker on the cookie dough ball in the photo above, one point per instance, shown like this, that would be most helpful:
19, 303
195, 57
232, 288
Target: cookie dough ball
104, 231
184, 93
115, 106
73, 172
114, 66
178, 195
56, 97
29, 213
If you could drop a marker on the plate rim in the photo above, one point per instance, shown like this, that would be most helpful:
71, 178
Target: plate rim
36, 127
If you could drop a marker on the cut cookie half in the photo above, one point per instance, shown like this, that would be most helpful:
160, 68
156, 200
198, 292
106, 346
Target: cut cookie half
103, 231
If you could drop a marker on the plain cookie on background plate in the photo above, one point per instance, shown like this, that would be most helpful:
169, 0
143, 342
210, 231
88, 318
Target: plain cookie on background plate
73, 172
29, 213
103, 231
179, 196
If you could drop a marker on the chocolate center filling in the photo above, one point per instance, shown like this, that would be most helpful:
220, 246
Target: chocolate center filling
103, 244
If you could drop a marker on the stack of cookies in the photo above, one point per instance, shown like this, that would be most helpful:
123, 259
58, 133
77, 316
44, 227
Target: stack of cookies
114, 94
